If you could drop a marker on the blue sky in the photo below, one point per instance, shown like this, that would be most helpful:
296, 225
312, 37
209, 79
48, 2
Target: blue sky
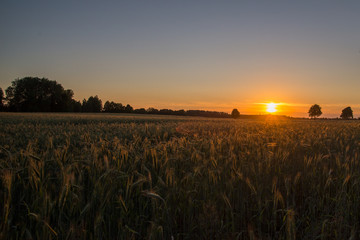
214, 55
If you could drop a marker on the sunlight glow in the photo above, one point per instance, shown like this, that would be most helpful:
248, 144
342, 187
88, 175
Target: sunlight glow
271, 107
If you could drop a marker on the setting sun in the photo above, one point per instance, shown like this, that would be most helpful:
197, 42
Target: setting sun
271, 107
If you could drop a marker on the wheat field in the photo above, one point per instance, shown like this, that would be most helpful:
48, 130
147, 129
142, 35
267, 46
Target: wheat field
118, 176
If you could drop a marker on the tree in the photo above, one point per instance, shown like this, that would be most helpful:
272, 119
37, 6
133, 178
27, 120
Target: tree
76, 106
113, 107
67, 103
140, 111
315, 111
180, 112
33, 94
235, 113
152, 110
129, 109
347, 113
93, 104
166, 111
1, 99
108, 107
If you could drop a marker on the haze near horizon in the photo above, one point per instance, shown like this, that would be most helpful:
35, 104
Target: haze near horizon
207, 55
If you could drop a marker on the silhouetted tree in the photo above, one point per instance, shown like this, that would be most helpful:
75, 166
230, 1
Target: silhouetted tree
152, 111
67, 102
76, 106
33, 94
347, 113
195, 113
235, 113
315, 111
180, 112
166, 112
113, 107
128, 108
108, 107
140, 111
93, 104
1, 99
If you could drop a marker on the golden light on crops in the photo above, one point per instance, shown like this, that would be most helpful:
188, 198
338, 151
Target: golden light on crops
271, 107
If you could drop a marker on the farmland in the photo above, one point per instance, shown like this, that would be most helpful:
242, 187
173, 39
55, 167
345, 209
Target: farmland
114, 176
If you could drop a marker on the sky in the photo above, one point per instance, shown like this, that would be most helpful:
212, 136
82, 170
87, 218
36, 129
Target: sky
190, 54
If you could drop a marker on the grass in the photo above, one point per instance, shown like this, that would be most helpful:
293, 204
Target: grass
114, 176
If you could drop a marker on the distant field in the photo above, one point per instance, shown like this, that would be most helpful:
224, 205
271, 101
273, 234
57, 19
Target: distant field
87, 117
123, 176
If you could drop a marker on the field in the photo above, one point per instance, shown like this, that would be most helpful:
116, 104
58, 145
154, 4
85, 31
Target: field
109, 176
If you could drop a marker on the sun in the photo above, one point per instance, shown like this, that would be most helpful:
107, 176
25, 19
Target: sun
271, 107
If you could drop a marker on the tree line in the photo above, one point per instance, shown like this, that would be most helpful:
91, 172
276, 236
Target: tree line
33, 94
